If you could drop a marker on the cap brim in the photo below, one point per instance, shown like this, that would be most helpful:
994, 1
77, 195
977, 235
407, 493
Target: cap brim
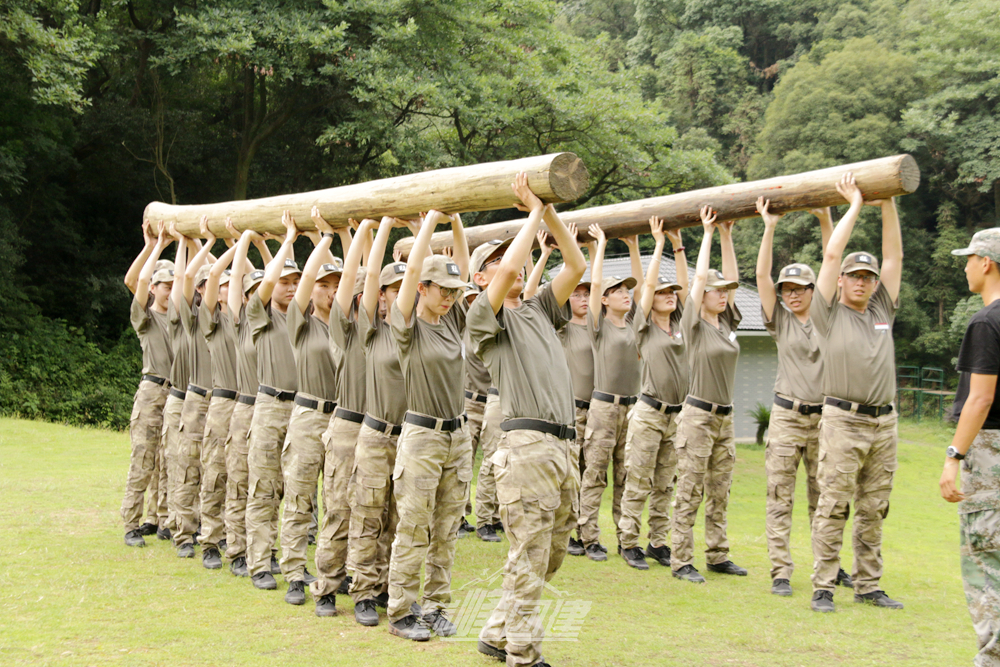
324, 274
288, 272
860, 267
796, 280
629, 283
452, 282
662, 286
251, 285
723, 285
963, 252
497, 249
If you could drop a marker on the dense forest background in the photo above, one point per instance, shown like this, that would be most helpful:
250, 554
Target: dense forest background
105, 106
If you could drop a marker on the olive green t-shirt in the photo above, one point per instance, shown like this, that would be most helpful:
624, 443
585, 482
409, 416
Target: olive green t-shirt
524, 356
712, 352
385, 397
800, 359
246, 355
153, 330
221, 339
345, 337
269, 328
477, 376
580, 358
859, 358
664, 357
430, 356
616, 356
315, 370
201, 358
180, 367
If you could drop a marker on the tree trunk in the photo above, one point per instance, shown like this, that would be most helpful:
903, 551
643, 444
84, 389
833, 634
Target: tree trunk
559, 177
885, 177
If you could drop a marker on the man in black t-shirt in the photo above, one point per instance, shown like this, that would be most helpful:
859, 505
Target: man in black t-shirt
977, 446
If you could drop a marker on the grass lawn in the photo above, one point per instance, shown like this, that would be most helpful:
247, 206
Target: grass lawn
72, 594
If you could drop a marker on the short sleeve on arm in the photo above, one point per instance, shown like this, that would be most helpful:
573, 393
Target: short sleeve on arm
341, 327
821, 312
690, 320
139, 316
483, 324
401, 331
298, 323
208, 325
980, 352
257, 316
732, 314
885, 302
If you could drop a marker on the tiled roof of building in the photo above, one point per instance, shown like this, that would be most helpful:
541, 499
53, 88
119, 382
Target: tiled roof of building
747, 299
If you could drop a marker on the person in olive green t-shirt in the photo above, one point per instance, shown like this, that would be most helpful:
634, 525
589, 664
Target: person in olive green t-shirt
221, 341
651, 458
706, 447
537, 473
373, 506
267, 313
616, 388
793, 433
434, 454
149, 319
853, 312
305, 455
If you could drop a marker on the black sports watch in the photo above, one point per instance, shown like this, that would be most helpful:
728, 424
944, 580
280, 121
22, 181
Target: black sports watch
952, 453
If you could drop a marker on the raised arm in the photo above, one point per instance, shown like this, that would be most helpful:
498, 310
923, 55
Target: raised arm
272, 274
191, 272
680, 263
653, 272
132, 275
892, 248
513, 259
318, 257
574, 263
704, 257
765, 283
531, 286
211, 296
635, 259
145, 275
460, 253
826, 282
729, 268
415, 263
240, 265
260, 242
825, 217
180, 267
374, 268
352, 260
596, 270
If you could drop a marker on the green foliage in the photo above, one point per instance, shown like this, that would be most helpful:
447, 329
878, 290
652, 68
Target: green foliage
761, 414
49, 370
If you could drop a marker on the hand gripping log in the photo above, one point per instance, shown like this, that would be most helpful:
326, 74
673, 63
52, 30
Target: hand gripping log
881, 178
555, 178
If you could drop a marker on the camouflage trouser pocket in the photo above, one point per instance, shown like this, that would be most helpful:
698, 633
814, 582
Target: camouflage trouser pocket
980, 531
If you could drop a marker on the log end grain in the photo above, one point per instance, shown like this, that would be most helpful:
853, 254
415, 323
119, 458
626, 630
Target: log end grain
909, 173
568, 177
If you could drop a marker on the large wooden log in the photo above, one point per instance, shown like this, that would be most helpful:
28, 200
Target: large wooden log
885, 177
556, 178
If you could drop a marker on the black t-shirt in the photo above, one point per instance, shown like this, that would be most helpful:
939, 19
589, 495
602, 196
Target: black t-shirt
980, 354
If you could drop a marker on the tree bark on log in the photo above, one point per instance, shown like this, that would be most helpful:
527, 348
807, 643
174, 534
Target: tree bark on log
555, 178
878, 179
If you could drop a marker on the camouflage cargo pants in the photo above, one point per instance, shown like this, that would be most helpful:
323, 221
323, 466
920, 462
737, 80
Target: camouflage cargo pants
538, 483
302, 457
487, 507
265, 486
857, 461
476, 411
431, 481
650, 462
373, 513
340, 441
189, 440
706, 452
236, 480
604, 444
792, 437
213, 471
145, 428
168, 461
980, 550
